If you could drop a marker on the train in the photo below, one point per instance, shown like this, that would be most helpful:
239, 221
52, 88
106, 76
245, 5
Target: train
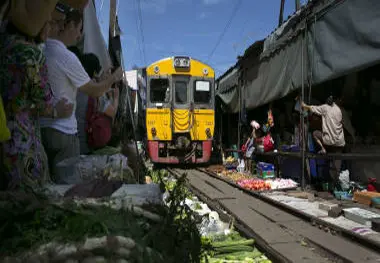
180, 111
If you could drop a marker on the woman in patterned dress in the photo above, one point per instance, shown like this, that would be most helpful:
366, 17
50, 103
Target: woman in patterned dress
26, 92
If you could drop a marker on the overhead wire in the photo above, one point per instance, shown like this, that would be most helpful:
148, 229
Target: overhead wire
236, 8
141, 30
139, 44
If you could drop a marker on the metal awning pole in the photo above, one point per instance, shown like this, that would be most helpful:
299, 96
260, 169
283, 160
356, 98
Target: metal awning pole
112, 34
239, 117
298, 5
302, 116
281, 17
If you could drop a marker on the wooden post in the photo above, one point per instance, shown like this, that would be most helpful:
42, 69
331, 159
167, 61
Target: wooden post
112, 18
281, 17
298, 5
303, 142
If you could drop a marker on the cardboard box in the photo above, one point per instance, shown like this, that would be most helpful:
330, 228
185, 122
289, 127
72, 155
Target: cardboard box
365, 198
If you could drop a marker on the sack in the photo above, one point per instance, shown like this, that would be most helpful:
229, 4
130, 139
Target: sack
98, 126
268, 143
243, 148
5, 134
250, 148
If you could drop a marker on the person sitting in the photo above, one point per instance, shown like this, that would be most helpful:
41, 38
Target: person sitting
331, 138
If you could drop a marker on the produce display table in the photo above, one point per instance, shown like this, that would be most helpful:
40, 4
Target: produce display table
249, 183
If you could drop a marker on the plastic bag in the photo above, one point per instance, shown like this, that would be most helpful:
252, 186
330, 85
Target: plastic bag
268, 143
139, 194
212, 225
241, 166
85, 168
344, 179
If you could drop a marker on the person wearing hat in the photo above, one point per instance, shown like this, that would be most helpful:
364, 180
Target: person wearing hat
26, 92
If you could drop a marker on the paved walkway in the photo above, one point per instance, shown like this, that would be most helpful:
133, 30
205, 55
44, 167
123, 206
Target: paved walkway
295, 239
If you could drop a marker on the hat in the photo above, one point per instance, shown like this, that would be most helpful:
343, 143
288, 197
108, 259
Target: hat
63, 8
30, 16
76, 4
255, 125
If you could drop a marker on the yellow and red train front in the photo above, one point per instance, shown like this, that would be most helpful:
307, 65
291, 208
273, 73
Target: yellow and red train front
180, 111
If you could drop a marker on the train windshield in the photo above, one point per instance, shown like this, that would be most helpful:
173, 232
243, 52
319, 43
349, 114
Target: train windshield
159, 90
202, 92
181, 92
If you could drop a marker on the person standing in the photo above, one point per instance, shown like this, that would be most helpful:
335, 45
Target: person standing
106, 104
26, 92
67, 76
331, 138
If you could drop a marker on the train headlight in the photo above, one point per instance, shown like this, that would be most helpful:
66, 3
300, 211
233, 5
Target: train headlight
181, 62
156, 69
154, 132
208, 133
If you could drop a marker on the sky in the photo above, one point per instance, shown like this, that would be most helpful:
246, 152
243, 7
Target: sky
191, 28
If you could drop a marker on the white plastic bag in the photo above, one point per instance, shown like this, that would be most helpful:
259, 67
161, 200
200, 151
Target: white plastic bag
241, 166
344, 179
87, 167
212, 225
139, 194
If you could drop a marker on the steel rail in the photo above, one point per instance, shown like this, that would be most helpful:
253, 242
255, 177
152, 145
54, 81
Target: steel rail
368, 243
243, 228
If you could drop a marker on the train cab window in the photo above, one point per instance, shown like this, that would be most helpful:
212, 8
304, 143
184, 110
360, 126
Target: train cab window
181, 92
159, 90
202, 92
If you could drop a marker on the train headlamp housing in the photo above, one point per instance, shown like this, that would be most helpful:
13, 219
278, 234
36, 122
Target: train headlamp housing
205, 71
181, 62
154, 132
208, 133
156, 69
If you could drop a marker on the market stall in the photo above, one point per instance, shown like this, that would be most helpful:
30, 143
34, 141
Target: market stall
264, 180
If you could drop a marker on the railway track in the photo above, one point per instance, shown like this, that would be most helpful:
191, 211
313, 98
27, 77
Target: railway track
284, 234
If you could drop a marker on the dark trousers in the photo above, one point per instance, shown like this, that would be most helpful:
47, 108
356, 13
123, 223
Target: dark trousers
59, 146
335, 165
3, 178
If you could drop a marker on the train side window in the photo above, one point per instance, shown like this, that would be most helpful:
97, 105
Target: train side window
202, 92
159, 90
181, 92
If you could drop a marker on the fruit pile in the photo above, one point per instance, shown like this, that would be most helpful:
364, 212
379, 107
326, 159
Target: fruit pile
233, 176
255, 184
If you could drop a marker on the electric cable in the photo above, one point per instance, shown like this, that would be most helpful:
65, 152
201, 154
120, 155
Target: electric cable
236, 8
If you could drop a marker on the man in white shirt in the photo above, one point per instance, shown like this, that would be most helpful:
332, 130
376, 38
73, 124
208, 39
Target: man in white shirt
67, 76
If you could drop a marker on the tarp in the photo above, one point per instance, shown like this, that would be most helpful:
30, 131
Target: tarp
276, 77
93, 38
131, 76
228, 91
345, 38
